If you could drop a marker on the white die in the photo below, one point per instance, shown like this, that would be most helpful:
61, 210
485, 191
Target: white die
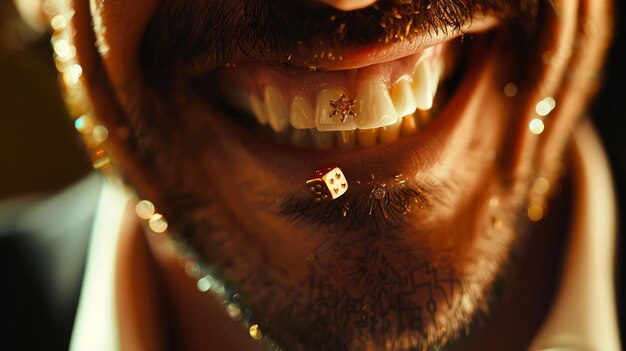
336, 182
328, 184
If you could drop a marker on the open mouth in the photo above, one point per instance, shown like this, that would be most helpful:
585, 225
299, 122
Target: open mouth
303, 118
341, 109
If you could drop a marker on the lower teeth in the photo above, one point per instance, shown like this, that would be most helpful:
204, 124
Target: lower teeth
312, 138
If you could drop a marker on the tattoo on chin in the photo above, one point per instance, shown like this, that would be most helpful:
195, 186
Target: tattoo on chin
386, 294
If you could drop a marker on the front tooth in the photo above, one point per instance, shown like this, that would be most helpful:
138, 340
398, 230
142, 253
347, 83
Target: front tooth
423, 84
375, 106
346, 139
367, 137
322, 140
323, 119
259, 109
276, 109
302, 115
390, 133
403, 97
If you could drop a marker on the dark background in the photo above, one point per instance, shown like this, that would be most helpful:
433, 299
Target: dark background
41, 153
39, 150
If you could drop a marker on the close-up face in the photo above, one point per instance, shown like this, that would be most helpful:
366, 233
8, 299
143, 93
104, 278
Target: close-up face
359, 174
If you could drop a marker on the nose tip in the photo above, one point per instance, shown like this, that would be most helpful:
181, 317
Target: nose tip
348, 5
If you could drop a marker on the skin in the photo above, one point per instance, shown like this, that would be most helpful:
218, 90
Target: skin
322, 286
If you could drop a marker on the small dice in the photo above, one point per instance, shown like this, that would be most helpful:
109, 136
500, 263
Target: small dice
328, 184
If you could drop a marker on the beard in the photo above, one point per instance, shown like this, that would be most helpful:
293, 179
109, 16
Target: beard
357, 289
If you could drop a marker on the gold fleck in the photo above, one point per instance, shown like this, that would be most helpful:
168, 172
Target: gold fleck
494, 202
58, 22
255, 332
100, 134
496, 223
144, 209
536, 126
547, 57
510, 90
541, 185
157, 223
545, 106
535, 212
83, 124
100, 160
234, 312
71, 74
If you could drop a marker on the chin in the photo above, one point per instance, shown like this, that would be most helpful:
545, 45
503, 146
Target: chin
374, 288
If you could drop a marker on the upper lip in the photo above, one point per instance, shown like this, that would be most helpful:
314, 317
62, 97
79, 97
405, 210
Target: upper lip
358, 56
365, 55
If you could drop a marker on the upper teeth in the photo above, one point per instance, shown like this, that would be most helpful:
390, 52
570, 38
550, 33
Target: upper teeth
302, 115
377, 104
278, 113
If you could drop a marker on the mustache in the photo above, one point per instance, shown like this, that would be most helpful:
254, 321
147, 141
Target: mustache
382, 209
212, 32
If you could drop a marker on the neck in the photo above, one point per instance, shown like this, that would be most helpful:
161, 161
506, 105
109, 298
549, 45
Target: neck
160, 307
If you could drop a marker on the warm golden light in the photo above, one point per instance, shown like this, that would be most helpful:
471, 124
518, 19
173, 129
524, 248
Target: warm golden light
535, 212
144, 209
536, 126
157, 223
545, 106
510, 90
255, 332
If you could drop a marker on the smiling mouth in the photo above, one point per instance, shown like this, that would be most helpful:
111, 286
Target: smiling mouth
342, 109
291, 117
378, 95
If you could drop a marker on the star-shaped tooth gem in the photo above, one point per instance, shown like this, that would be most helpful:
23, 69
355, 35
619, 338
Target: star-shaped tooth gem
342, 107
